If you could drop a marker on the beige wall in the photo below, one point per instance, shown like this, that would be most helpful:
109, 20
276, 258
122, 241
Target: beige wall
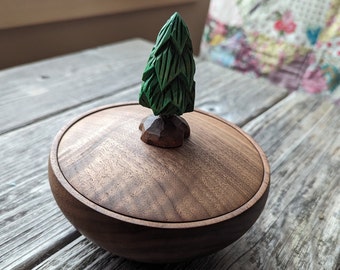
25, 37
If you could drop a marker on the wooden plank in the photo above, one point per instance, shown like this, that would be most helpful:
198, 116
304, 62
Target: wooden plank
24, 191
35, 91
299, 228
89, 255
232, 95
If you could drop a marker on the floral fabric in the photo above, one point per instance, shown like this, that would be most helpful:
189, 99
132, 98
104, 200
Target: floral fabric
295, 44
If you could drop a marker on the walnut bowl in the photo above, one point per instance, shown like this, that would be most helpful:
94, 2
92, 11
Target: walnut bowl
153, 204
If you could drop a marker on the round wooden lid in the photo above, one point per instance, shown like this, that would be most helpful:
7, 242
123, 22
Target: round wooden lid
219, 169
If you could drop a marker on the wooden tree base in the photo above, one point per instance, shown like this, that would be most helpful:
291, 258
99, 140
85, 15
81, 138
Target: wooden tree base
166, 132
155, 204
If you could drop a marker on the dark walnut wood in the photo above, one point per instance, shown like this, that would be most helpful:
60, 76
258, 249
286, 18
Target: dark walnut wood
156, 204
167, 131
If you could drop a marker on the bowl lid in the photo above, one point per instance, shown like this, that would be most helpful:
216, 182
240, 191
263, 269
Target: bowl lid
218, 170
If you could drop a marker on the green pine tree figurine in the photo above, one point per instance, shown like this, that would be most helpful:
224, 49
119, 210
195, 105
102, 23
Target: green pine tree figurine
168, 85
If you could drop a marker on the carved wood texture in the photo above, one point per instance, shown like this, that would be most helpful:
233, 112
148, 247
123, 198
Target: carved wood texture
168, 86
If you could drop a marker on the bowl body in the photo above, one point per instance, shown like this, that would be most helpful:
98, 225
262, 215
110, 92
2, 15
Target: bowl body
149, 242
100, 213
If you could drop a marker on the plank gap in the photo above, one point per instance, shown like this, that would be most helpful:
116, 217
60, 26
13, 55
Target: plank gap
39, 258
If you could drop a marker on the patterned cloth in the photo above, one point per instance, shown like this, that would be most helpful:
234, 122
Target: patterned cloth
295, 44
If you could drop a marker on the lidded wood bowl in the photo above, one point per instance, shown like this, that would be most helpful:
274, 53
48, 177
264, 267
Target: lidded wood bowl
154, 204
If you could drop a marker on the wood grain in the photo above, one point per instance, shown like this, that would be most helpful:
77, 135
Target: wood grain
25, 193
35, 139
232, 95
102, 156
195, 198
299, 227
48, 87
31, 178
89, 257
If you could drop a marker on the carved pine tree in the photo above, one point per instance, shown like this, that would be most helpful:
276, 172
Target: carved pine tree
168, 80
168, 86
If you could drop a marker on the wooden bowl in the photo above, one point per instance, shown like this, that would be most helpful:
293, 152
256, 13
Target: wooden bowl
153, 204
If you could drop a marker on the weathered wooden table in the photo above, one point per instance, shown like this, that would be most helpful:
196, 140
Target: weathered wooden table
299, 228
